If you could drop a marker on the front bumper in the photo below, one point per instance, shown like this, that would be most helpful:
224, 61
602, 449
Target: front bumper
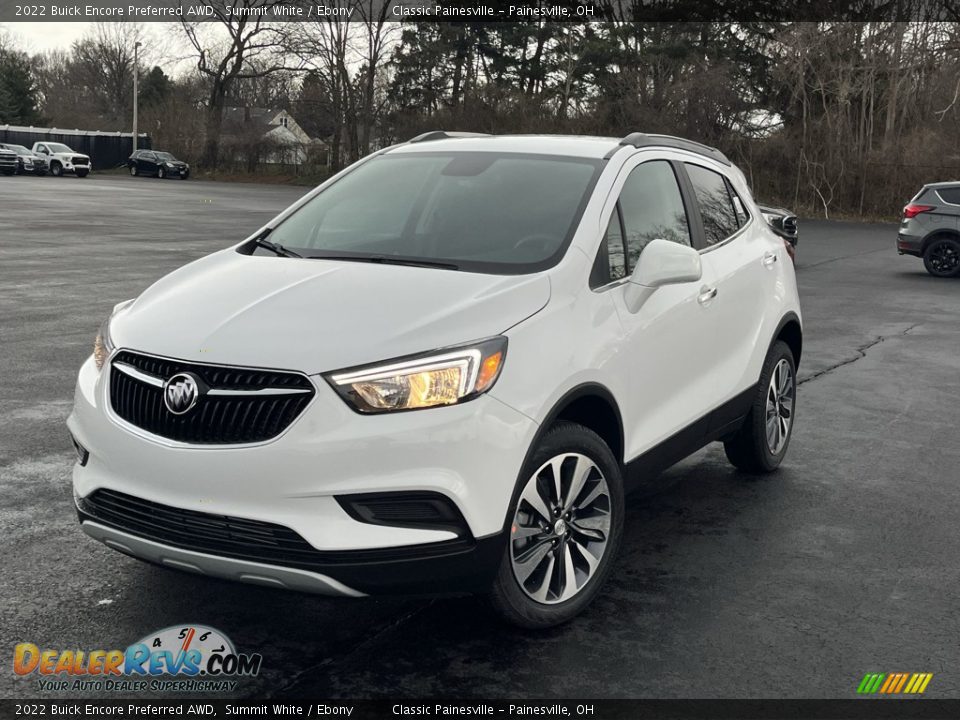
469, 453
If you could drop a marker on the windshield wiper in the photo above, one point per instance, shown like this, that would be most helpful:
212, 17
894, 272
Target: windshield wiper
388, 260
275, 248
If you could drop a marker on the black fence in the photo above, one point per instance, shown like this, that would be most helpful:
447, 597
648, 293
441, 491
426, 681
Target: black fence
106, 149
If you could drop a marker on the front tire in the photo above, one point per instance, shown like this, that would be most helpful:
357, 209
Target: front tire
161, 173
761, 443
565, 529
134, 171
56, 169
942, 257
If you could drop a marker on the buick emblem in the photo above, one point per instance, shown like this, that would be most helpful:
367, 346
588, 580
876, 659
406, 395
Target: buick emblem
181, 392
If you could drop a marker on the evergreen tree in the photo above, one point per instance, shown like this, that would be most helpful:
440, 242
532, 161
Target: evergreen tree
18, 105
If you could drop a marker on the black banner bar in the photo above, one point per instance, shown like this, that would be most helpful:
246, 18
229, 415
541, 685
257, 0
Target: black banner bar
479, 10
119, 709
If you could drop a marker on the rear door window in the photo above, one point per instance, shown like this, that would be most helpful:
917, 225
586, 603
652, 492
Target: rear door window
716, 207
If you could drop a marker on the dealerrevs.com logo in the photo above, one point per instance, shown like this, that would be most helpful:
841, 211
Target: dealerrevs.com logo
182, 658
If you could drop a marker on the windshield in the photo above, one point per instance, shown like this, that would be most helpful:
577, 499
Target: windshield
165, 156
58, 148
17, 148
481, 211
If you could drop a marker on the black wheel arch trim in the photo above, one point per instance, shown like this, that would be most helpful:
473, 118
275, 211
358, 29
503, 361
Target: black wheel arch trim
790, 317
587, 389
938, 233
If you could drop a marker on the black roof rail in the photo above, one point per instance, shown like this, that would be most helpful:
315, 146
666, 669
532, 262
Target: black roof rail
643, 140
444, 135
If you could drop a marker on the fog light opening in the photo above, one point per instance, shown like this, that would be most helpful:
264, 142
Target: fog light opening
82, 454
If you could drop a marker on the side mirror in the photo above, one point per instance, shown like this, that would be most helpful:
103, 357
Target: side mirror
661, 263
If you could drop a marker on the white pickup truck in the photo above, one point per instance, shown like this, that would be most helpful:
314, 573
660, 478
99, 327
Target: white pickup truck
62, 159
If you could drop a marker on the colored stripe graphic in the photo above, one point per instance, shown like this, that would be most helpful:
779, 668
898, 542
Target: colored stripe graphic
894, 683
891, 679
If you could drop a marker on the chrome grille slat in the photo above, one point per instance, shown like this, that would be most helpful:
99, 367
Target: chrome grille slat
250, 405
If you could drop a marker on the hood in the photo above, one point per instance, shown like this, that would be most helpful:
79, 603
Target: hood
319, 315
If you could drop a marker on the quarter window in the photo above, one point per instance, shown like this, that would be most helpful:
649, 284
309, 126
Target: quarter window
716, 208
738, 207
950, 195
614, 244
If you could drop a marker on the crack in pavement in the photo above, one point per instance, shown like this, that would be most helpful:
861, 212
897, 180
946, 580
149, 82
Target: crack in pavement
842, 257
385, 629
861, 353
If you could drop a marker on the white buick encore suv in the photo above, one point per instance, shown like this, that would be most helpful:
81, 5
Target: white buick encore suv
441, 370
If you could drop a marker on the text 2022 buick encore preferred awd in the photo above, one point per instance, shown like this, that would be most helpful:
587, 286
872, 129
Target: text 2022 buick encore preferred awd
440, 370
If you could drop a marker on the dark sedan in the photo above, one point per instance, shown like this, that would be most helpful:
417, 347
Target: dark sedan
157, 164
28, 162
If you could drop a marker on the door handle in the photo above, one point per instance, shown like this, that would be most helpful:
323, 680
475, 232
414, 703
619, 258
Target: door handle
706, 296
769, 259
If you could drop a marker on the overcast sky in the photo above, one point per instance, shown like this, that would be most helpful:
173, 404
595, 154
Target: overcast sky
34, 37
40, 36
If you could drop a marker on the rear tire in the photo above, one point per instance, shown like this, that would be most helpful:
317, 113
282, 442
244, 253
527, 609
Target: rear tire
161, 173
761, 443
942, 257
553, 567
134, 171
56, 169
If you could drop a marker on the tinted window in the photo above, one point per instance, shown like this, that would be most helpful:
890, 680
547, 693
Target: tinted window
614, 245
716, 209
739, 209
652, 207
482, 211
950, 195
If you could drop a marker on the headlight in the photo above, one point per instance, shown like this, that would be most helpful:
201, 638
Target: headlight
103, 343
445, 377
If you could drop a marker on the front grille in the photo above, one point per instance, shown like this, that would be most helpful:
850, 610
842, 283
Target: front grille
8, 160
79, 160
216, 419
235, 537
219, 534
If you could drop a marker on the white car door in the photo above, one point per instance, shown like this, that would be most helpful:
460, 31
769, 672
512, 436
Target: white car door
744, 263
666, 337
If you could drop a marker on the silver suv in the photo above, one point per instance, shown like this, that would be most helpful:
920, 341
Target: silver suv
930, 228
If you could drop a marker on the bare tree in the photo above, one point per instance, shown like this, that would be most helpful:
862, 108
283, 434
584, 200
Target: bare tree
239, 45
325, 47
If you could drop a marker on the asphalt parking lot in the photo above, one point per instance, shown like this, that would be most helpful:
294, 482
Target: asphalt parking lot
844, 562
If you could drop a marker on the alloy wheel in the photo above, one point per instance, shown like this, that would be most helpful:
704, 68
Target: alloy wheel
780, 397
944, 258
560, 528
